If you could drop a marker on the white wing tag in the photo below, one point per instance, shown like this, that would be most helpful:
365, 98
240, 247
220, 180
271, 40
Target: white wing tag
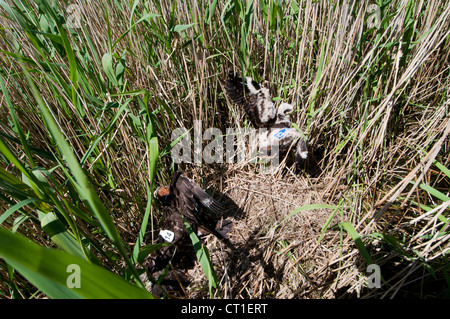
167, 235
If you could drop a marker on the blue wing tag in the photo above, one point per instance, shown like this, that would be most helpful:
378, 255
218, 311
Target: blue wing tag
281, 133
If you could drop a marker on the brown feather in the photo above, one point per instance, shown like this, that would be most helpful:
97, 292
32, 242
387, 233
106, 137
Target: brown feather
197, 206
239, 92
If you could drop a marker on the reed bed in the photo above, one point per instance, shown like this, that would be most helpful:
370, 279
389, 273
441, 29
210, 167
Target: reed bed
92, 91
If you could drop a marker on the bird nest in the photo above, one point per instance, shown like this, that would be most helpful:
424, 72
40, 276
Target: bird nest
281, 251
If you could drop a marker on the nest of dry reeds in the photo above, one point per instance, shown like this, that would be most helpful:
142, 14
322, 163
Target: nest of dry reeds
277, 254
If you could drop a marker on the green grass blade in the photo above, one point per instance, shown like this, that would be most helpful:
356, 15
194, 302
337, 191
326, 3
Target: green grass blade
357, 239
443, 169
140, 239
111, 125
34, 182
107, 63
149, 249
145, 17
10, 181
433, 192
80, 181
58, 232
318, 78
47, 269
273, 15
17, 125
15, 208
203, 257
68, 48
328, 221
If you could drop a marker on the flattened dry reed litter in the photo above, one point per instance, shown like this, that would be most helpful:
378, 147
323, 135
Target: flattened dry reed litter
287, 261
